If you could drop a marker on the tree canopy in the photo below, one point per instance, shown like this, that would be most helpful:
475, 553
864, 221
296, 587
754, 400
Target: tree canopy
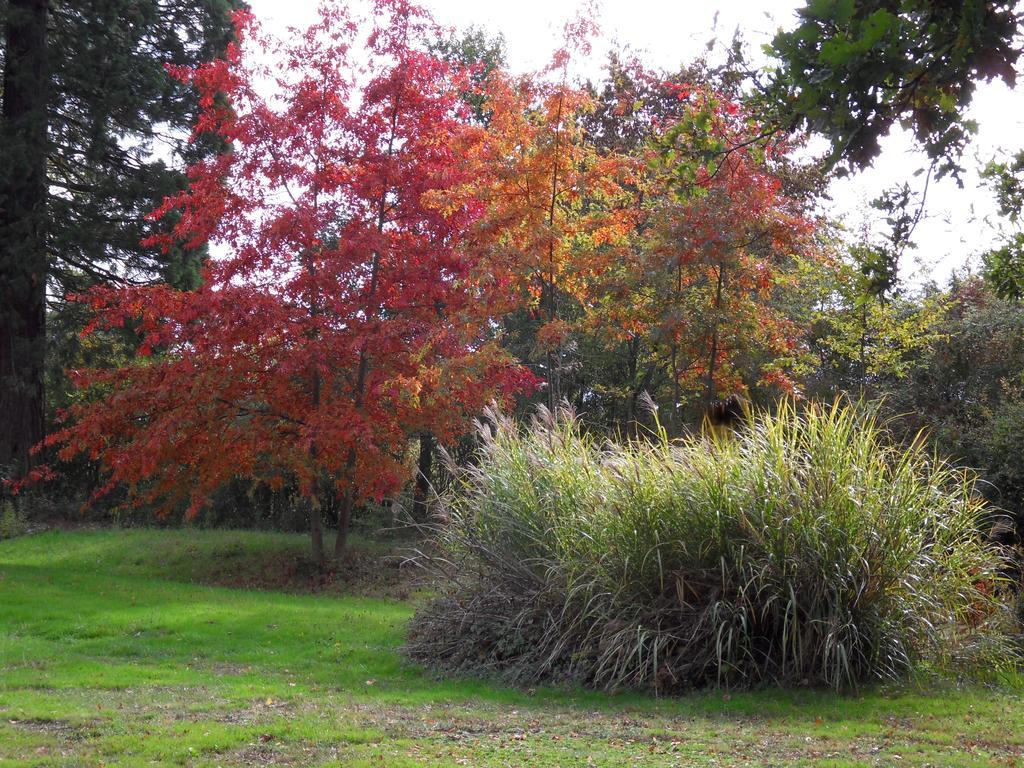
94, 136
853, 69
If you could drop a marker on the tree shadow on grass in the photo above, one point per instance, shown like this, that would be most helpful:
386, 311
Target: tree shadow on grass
93, 614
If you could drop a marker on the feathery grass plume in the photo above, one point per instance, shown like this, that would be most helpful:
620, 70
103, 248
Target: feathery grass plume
808, 548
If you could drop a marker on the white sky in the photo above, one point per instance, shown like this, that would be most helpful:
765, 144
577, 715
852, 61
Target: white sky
670, 32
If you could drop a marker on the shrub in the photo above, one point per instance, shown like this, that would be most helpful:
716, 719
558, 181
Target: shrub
807, 549
12, 522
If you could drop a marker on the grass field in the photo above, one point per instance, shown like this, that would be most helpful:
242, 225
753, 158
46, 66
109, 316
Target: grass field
119, 648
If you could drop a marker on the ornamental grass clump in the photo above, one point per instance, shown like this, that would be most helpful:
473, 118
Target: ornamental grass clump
807, 548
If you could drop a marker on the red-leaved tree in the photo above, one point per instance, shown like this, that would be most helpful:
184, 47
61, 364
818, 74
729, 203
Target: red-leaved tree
342, 311
717, 245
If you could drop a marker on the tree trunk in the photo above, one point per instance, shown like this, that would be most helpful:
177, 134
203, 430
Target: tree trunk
363, 369
554, 363
863, 357
712, 392
316, 521
23, 259
345, 516
424, 472
316, 530
632, 360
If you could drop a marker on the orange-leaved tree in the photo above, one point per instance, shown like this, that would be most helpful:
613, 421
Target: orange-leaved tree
715, 242
723, 234
553, 211
342, 312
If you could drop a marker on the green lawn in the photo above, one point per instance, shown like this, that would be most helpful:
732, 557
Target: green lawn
114, 651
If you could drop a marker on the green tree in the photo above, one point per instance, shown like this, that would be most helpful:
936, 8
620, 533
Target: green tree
482, 54
1004, 264
966, 390
865, 340
93, 136
23, 256
852, 69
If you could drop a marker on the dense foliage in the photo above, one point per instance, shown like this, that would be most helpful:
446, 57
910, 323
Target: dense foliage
394, 239
853, 69
965, 389
346, 314
93, 135
375, 231
808, 549
402, 228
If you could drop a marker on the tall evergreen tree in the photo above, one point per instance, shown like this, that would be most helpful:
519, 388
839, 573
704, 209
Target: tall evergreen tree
93, 136
23, 258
